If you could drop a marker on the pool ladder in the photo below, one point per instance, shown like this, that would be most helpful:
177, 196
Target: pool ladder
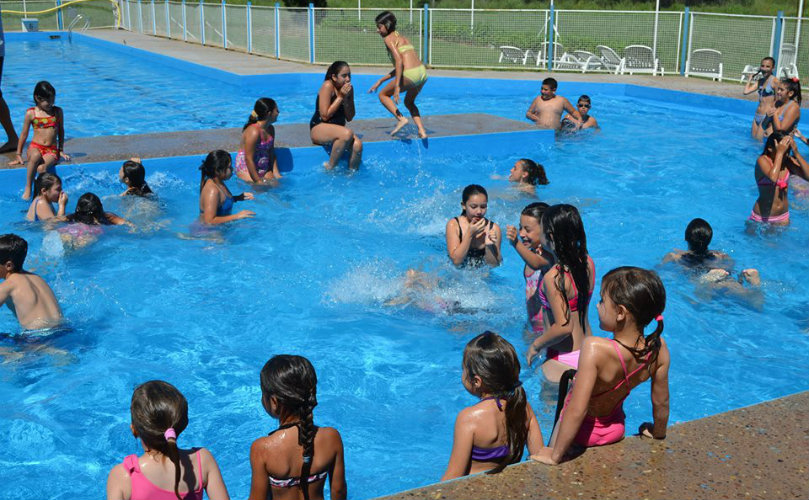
76, 20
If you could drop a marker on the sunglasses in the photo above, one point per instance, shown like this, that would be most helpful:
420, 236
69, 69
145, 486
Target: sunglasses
584, 106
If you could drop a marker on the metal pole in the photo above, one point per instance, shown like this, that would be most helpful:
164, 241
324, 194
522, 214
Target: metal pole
24, 9
185, 24
311, 33
779, 26
249, 28
798, 28
654, 39
224, 26
359, 10
411, 11
427, 34
472, 18
686, 47
277, 30
60, 21
140, 17
154, 20
168, 20
202, 21
550, 32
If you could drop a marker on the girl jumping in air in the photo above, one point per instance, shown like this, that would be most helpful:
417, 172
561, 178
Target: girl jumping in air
47, 145
537, 262
609, 369
47, 190
565, 291
472, 239
492, 434
256, 161
334, 106
164, 471
408, 75
294, 461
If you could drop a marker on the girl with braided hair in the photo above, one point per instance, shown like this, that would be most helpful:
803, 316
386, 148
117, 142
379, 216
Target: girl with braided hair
164, 471
293, 461
609, 368
492, 433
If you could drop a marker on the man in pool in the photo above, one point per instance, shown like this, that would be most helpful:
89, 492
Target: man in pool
26, 294
547, 108
5, 116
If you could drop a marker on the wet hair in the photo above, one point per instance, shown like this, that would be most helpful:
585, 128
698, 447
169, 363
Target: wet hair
335, 68
550, 82
14, 249
769, 144
44, 90
156, 407
45, 181
493, 359
536, 172
793, 85
388, 20
261, 110
643, 295
772, 60
535, 210
136, 177
293, 382
471, 190
215, 164
89, 210
698, 234
562, 225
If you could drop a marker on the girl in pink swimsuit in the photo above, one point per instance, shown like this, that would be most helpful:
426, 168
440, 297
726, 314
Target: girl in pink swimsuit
609, 369
564, 292
537, 262
159, 415
255, 161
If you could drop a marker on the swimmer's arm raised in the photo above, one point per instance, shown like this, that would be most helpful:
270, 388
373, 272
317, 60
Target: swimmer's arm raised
799, 165
751, 86
534, 260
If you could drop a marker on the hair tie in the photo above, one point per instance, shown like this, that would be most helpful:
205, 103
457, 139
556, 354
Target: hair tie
253, 114
307, 459
795, 79
659, 318
170, 434
516, 386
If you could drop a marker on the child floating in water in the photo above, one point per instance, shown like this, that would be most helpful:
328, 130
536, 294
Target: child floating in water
492, 433
133, 175
165, 471
295, 460
84, 225
547, 108
609, 369
26, 294
587, 121
528, 174
47, 190
47, 146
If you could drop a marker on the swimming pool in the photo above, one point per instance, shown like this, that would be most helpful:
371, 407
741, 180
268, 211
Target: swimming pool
311, 273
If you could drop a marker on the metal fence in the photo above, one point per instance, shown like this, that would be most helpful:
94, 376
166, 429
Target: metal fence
560, 40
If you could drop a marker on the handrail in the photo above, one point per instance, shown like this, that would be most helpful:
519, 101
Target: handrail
114, 4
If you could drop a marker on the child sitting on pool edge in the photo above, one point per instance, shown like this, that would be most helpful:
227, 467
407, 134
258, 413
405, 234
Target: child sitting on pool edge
25, 293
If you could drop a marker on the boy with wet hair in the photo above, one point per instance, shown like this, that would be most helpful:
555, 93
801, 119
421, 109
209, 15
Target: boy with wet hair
26, 294
547, 108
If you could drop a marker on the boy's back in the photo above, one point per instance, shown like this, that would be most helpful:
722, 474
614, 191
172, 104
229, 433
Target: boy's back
32, 300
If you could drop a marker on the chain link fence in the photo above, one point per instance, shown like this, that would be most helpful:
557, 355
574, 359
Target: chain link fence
535, 40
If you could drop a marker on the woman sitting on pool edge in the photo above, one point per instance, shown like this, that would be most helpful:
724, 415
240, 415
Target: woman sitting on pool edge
472, 239
215, 200
334, 106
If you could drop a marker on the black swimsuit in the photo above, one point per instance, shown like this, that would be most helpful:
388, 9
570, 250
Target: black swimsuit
339, 117
475, 257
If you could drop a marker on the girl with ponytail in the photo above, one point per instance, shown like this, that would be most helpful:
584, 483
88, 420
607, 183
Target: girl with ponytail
565, 291
164, 471
492, 433
215, 199
256, 162
593, 415
294, 460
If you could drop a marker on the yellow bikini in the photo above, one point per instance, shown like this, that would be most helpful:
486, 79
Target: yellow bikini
417, 75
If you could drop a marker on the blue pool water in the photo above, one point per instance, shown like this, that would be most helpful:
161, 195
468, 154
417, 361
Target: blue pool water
311, 273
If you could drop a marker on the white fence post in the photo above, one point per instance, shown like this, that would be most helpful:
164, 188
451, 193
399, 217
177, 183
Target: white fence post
168, 20
185, 24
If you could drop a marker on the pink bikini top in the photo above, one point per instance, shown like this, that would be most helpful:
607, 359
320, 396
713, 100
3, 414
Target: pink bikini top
143, 489
572, 302
626, 375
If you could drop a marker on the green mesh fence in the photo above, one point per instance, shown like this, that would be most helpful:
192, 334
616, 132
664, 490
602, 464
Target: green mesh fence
263, 30
236, 21
294, 34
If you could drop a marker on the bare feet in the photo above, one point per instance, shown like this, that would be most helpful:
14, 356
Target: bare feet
10, 146
15, 163
402, 122
422, 133
327, 165
26, 195
751, 276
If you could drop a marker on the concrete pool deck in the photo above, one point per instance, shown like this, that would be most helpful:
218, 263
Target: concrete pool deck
760, 451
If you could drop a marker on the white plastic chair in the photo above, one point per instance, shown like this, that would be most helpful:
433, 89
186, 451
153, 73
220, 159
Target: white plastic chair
787, 60
542, 54
578, 60
610, 59
513, 54
704, 62
640, 59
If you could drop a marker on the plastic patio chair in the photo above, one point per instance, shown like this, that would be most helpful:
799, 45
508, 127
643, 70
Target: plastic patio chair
578, 60
704, 62
610, 59
640, 59
590, 61
513, 54
542, 54
787, 60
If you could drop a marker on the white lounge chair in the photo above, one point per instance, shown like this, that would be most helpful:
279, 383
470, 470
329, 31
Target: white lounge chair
786, 61
542, 54
610, 59
704, 62
578, 60
513, 54
640, 59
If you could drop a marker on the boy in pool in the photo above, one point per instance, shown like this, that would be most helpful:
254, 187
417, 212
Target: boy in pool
583, 106
26, 294
547, 108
